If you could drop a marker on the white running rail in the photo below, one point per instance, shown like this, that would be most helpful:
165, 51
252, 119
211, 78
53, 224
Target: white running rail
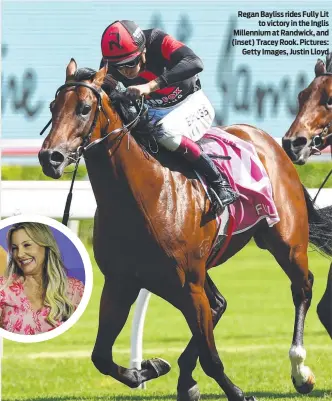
49, 197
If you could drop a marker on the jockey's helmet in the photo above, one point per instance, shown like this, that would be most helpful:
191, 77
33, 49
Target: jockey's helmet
122, 43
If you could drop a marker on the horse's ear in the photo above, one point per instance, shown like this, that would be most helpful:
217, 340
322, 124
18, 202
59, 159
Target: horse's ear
100, 75
329, 62
71, 68
320, 68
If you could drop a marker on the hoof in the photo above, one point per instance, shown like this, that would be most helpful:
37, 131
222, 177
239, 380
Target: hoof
250, 398
192, 394
159, 366
307, 387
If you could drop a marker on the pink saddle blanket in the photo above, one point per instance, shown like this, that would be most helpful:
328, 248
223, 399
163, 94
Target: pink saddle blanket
247, 175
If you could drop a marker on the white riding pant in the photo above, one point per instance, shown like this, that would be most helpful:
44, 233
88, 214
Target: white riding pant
191, 118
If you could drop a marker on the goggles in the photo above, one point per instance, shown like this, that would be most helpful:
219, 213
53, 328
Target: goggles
130, 64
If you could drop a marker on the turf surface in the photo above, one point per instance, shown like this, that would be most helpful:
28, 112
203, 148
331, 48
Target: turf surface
253, 339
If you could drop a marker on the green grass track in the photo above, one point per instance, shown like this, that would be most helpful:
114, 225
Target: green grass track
253, 340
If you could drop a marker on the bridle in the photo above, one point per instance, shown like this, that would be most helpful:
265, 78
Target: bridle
98, 93
86, 143
319, 141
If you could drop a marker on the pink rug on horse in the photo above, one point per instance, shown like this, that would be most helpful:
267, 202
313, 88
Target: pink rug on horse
246, 175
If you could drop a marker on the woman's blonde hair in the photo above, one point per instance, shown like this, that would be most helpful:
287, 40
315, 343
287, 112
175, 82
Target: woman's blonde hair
55, 282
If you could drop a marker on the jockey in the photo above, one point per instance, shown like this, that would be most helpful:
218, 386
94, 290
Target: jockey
164, 70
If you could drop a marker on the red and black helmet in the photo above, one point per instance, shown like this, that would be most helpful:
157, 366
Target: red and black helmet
122, 42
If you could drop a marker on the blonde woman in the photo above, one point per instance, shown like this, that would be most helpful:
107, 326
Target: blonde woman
35, 293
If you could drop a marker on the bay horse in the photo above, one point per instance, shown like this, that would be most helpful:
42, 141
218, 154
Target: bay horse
154, 226
310, 133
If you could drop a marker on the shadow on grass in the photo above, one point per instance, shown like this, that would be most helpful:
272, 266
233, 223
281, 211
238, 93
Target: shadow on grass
261, 396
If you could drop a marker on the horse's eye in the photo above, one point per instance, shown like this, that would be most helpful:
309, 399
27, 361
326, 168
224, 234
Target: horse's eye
52, 104
329, 102
86, 110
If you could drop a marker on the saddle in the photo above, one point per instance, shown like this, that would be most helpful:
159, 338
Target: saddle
239, 162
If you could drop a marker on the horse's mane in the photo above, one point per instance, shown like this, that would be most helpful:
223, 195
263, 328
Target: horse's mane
145, 129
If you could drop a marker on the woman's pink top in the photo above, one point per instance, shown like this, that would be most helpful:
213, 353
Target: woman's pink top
17, 315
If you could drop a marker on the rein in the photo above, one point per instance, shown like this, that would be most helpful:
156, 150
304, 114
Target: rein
86, 144
325, 180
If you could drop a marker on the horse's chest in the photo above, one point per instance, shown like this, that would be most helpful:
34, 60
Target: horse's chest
124, 253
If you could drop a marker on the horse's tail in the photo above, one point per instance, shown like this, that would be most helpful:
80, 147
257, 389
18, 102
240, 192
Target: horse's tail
320, 225
320, 235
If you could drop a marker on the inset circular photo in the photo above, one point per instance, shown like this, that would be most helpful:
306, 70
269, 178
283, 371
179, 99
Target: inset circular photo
45, 278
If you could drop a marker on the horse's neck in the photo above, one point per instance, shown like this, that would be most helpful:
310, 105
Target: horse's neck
121, 174
139, 198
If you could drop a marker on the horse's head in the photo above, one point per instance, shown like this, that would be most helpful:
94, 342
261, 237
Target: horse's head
312, 129
78, 116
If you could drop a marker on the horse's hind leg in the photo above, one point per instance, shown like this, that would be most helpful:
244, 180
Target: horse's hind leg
324, 308
290, 251
117, 297
195, 306
187, 387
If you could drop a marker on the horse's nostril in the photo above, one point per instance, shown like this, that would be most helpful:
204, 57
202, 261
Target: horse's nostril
56, 157
299, 142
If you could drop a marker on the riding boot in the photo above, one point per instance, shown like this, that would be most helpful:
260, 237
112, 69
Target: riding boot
202, 163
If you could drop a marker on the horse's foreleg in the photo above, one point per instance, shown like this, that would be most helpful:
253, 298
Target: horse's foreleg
187, 387
197, 311
302, 377
117, 297
290, 251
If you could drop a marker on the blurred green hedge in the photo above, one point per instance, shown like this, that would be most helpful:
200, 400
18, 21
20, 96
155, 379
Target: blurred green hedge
311, 174
35, 173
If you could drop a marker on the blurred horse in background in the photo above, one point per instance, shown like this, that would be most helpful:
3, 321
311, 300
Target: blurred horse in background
309, 134
154, 228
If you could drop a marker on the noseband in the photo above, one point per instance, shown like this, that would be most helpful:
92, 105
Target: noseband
86, 144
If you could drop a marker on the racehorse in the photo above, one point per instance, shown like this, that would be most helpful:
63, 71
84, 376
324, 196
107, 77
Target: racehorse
310, 133
154, 226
